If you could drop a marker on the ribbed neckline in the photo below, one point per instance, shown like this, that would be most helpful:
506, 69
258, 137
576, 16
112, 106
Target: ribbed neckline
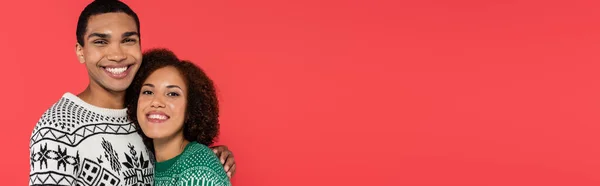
99, 110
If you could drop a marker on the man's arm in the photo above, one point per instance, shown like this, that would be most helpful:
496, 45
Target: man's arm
50, 163
226, 158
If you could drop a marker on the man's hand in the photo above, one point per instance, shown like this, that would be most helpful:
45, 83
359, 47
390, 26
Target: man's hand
226, 158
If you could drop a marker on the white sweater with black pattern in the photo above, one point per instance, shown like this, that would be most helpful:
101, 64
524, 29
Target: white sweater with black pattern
75, 143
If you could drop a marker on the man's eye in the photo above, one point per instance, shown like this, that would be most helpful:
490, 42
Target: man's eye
129, 40
100, 42
147, 92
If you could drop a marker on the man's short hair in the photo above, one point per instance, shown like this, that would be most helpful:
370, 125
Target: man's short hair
102, 7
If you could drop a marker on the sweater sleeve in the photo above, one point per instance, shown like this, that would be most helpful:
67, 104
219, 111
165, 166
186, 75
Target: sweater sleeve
205, 169
203, 176
51, 162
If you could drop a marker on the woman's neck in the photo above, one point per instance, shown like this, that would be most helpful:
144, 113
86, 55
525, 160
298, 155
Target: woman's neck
165, 149
100, 97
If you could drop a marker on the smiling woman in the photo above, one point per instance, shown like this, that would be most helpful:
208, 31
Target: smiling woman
174, 104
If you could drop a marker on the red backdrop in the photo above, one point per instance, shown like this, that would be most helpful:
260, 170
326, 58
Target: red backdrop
344, 92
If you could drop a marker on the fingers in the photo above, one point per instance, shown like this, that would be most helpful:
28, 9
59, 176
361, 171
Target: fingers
220, 151
214, 149
226, 158
223, 157
231, 171
229, 163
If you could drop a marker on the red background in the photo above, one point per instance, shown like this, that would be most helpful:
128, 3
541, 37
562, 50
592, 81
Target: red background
342, 92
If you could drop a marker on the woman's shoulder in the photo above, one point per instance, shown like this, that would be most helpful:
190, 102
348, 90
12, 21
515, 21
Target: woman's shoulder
195, 148
199, 154
200, 162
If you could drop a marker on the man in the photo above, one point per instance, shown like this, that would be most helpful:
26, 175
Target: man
87, 139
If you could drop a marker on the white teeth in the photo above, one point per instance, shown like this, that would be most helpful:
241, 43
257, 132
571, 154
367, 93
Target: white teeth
116, 70
157, 116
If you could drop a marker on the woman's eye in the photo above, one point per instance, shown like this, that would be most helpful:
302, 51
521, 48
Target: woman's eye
174, 94
147, 92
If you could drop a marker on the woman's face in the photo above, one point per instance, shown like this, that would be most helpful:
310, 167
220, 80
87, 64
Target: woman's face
162, 103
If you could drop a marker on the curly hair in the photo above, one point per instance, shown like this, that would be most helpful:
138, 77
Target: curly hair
201, 123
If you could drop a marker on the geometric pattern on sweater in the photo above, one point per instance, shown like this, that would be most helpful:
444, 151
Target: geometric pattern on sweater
208, 177
196, 165
94, 174
61, 156
66, 114
75, 143
51, 178
73, 138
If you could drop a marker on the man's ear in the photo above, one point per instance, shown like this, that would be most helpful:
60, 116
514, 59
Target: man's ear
79, 53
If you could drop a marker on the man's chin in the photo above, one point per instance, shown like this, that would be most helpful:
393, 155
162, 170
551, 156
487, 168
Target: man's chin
117, 89
118, 86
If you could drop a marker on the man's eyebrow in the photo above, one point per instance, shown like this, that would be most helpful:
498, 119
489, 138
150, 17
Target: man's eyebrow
127, 34
100, 35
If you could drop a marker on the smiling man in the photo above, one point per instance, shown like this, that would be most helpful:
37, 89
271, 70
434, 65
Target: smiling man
87, 139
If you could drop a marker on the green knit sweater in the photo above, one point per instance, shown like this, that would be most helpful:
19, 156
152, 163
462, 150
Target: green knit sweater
197, 165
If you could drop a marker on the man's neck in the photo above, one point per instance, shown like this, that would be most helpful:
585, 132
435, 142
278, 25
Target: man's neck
165, 149
103, 98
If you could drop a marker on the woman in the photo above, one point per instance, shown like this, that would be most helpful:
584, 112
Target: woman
178, 114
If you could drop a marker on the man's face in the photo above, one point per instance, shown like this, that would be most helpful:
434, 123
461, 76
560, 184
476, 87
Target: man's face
111, 51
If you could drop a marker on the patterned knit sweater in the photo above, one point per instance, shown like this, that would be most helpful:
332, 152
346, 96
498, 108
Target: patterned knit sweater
197, 165
75, 143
